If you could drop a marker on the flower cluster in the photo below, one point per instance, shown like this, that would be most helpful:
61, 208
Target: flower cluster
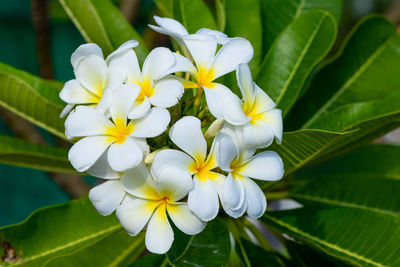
120, 117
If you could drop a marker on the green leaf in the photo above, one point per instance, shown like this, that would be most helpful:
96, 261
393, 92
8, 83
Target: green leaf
18, 152
365, 162
300, 147
209, 248
151, 260
278, 14
194, 15
166, 7
117, 249
100, 22
57, 231
243, 19
367, 178
253, 255
31, 98
294, 54
220, 14
364, 70
357, 236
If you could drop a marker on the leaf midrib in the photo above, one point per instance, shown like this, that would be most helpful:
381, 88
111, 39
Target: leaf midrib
70, 244
325, 243
300, 59
348, 83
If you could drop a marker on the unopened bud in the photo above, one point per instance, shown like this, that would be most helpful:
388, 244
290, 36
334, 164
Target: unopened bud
214, 128
150, 158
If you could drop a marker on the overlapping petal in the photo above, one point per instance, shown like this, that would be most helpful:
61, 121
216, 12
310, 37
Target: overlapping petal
107, 196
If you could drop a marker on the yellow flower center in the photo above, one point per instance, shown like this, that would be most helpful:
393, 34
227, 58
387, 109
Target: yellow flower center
119, 131
202, 168
204, 77
146, 90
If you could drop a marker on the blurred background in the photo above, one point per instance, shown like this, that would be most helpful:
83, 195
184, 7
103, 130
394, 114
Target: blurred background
37, 36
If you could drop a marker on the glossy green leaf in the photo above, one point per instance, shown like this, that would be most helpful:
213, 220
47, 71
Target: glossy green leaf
365, 162
194, 15
117, 249
151, 260
278, 14
209, 248
100, 22
243, 18
367, 178
302, 45
31, 98
57, 231
300, 147
358, 236
18, 152
365, 70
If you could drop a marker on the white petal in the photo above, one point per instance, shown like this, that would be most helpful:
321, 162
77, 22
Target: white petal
263, 101
255, 198
233, 192
232, 110
84, 153
138, 182
274, 120
125, 155
167, 93
102, 169
170, 158
107, 196
134, 213
203, 199
221, 37
257, 135
84, 121
105, 101
92, 73
154, 123
139, 109
184, 219
142, 143
186, 134
127, 46
246, 84
266, 165
65, 112
123, 99
174, 183
128, 62
159, 235
236, 51
202, 48
226, 153
116, 77
171, 25
215, 98
234, 213
74, 93
182, 64
83, 51
157, 64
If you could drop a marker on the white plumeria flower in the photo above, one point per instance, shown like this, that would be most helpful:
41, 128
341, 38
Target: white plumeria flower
240, 193
177, 31
123, 141
186, 134
210, 66
155, 89
150, 201
264, 120
93, 76
107, 196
